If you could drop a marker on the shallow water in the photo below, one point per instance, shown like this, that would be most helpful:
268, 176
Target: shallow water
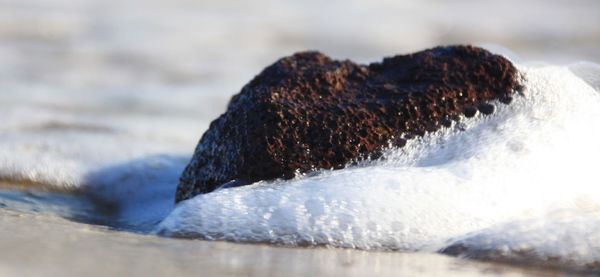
103, 103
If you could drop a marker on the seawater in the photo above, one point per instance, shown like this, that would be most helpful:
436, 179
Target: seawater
517, 185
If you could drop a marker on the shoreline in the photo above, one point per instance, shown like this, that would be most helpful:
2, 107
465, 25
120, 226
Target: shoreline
50, 245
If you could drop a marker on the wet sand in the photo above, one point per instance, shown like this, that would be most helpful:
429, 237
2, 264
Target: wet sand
38, 245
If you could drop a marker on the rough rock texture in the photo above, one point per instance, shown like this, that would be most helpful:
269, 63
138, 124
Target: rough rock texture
308, 112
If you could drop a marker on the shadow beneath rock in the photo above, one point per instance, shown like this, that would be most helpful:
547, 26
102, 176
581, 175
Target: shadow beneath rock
135, 195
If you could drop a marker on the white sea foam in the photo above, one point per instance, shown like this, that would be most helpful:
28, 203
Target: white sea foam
522, 164
563, 238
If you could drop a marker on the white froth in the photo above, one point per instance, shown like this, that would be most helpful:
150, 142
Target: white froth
563, 238
527, 160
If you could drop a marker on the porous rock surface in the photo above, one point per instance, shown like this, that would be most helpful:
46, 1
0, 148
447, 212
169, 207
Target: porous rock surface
309, 112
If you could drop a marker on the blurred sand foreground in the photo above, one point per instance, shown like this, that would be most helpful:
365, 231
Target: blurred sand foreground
48, 246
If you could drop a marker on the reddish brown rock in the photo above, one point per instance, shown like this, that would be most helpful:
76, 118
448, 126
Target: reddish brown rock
309, 112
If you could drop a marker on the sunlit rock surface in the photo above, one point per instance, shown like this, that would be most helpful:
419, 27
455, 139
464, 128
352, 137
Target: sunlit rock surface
309, 112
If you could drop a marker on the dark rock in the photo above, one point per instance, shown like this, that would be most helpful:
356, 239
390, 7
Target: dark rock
308, 112
470, 112
446, 122
506, 99
486, 108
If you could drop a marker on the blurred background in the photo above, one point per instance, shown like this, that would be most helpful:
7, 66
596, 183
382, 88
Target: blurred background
217, 46
86, 83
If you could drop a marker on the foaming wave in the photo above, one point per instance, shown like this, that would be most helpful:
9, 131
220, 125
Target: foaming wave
525, 162
566, 239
